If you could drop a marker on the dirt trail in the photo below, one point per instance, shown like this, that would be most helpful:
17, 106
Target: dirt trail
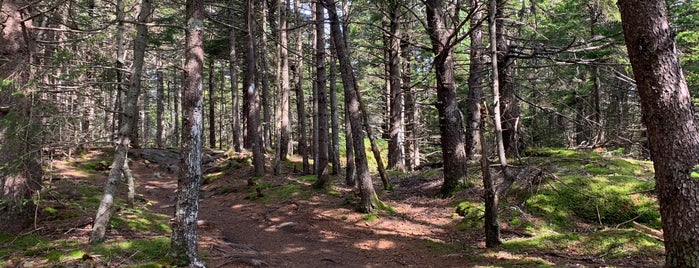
315, 231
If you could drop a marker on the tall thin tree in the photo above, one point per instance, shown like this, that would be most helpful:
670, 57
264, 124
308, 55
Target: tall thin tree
321, 162
128, 120
253, 93
183, 245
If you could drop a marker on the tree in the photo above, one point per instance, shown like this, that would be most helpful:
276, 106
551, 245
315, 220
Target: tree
285, 125
368, 198
20, 171
128, 120
396, 155
321, 161
253, 94
298, 87
233, 72
669, 117
450, 121
183, 246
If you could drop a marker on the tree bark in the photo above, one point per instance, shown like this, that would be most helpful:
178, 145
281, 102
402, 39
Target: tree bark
450, 121
368, 198
235, 93
412, 114
513, 131
298, 87
20, 170
396, 155
672, 132
253, 94
321, 88
334, 120
160, 109
128, 120
475, 83
183, 246
285, 131
212, 105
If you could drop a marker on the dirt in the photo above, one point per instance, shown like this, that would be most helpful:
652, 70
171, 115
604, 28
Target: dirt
237, 228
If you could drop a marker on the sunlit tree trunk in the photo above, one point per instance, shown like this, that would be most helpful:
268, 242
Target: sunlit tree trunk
396, 155
285, 125
183, 245
368, 198
235, 93
668, 114
253, 94
450, 121
298, 87
321, 161
128, 119
475, 83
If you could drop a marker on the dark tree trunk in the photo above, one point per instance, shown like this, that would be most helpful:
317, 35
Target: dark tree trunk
450, 121
334, 120
513, 130
253, 94
396, 156
128, 119
491, 224
212, 105
350, 169
183, 246
160, 109
322, 117
298, 87
368, 198
672, 132
235, 93
475, 84
20, 171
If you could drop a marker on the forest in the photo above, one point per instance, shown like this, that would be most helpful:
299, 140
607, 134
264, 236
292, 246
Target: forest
349, 133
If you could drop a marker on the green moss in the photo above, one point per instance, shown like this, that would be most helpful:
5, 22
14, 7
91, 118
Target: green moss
308, 178
620, 243
370, 217
473, 215
333, 192
549, 240
594, 188
151, 249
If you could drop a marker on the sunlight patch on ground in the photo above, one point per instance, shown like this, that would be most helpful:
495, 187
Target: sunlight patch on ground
375, 244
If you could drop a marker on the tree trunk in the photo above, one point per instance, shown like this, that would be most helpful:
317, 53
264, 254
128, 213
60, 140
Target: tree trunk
475, 84
513, 131
412, 114
672, 132
233, 69
368, 198
350, 169
491, 225
334, 120
20, 170
212, 105
450, 121
285, 126
183, 246
128, 120
396, 155
159, 110
264, 95
298, 87
253, 95
322, 117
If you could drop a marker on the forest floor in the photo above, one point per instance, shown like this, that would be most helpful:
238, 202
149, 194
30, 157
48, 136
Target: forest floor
283, 222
